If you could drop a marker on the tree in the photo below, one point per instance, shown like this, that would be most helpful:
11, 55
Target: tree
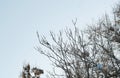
31, 73
83, 54
89, 53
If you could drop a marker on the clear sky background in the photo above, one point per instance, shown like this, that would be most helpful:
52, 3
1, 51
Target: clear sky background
20, 19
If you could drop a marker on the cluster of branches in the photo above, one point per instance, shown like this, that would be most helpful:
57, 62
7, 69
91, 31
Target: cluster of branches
31, 72
86, 54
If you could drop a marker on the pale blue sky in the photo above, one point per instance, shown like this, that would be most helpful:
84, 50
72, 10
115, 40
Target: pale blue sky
19, 20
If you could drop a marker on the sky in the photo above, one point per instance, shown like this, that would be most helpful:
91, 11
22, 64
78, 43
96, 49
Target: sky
20, 19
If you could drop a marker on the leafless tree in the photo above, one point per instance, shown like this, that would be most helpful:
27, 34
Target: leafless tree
86, 54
